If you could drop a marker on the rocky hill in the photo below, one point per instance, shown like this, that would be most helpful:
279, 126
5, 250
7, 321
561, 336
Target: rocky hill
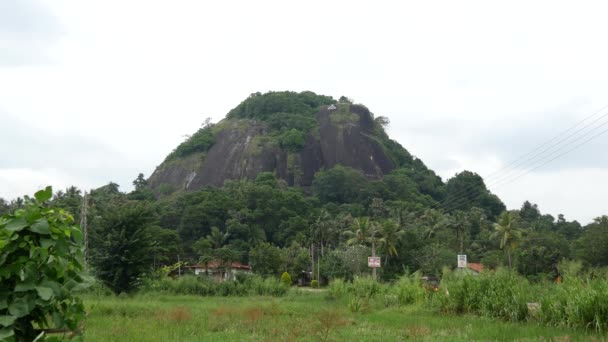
293, 135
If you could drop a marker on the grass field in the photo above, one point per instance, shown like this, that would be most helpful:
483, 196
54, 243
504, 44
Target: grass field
299, 316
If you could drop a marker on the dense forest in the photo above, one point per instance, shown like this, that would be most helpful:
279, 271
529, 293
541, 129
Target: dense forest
416, 220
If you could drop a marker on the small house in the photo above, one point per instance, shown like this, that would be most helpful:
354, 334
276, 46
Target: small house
471, 269
475, 267
219, 271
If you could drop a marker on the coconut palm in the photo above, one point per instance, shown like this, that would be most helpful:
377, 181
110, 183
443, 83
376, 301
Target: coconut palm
360, 232
432, 221
363, 232
217, 239
508, 233
459, 222
389, 233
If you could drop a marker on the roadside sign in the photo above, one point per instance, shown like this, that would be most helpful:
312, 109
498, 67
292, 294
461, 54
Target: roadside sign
462, 261
373, 262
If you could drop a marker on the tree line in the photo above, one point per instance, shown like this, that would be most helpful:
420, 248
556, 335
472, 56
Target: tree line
277, 228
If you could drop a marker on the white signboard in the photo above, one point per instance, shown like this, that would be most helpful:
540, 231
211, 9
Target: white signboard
462, 261
373, 262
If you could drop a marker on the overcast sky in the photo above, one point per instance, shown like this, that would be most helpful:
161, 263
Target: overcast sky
98, 91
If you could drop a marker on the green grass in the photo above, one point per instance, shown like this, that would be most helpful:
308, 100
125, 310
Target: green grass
299, 316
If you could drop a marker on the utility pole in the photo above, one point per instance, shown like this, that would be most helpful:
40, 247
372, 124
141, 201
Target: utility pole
373, 248
318, 268
312, 259
85, 231
179, 267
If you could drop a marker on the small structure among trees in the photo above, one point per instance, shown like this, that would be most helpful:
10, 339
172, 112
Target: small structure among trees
220, 271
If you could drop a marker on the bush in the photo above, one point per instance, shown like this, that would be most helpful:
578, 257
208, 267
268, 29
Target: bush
41, 258
203, 286
577, 302
365, 287
314, 284
337, 289
268, 286
408, 290
286, 279
501, 294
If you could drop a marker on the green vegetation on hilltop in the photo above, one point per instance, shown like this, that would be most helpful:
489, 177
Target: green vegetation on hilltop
262, 106
200, 141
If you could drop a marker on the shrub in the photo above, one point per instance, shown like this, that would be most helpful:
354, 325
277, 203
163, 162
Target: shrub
500, 294
337, 289
203, 286
286, 279
314, 284
40, 255
408, 290
268, 287
365, 287
577, 302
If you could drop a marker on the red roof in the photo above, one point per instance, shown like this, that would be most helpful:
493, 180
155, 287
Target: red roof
215, 264
475, 267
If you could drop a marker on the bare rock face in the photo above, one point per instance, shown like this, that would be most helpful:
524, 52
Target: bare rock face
242, 149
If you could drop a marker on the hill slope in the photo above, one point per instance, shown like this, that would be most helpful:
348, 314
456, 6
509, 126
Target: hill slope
293, 135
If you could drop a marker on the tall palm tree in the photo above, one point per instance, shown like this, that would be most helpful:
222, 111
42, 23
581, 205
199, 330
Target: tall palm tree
506, 229
432, 221
321, 229
359, 232
217, 239
363, 232
389, 233
459, 222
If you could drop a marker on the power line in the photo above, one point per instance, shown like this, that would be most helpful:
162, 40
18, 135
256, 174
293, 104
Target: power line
456, 202
465, 199
516, 161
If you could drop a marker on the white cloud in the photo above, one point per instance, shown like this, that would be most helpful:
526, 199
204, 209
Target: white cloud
468, 84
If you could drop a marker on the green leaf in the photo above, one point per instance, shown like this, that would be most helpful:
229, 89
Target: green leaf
46, 243
16, 224
44, 292
44, 195
41, 227
6, 333
21, 307
3, 302
3, 257
23, 287
55, 286
5, 320
77, 235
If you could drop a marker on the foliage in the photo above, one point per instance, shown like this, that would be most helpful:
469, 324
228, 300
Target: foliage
502, 294
507, 232
467, 190
292, 140
340, 185
125, 245
201, 141
365, 287
314, 284
591, 247
286, 279
266, 259
41, 259
262, 106
408, 289
205, 286
337, 289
